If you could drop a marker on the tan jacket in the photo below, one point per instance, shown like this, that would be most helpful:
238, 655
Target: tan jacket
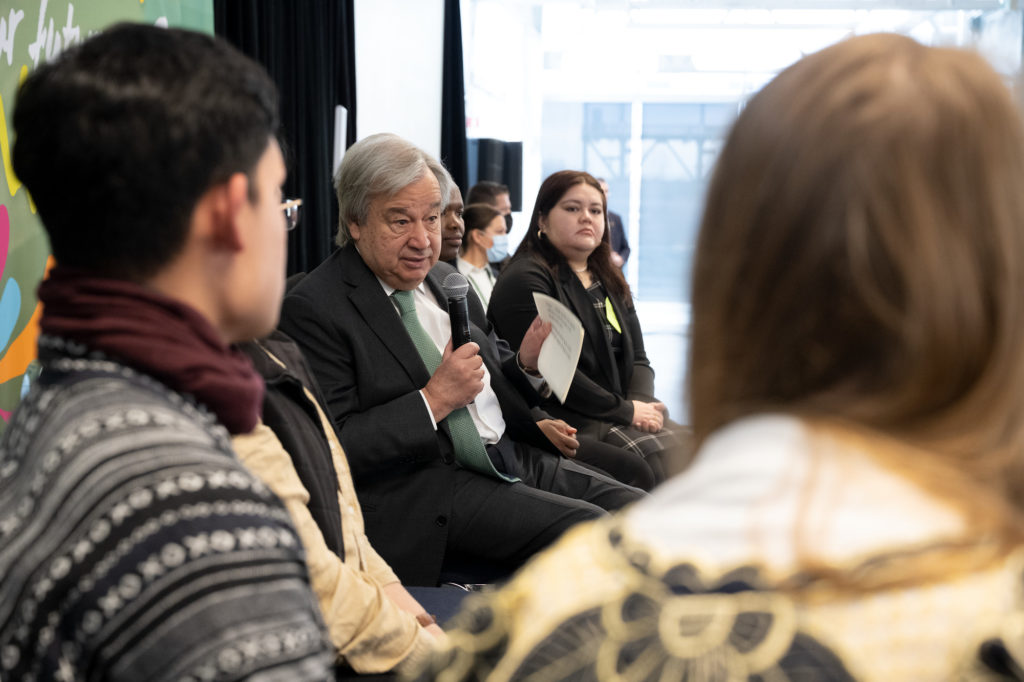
369, 630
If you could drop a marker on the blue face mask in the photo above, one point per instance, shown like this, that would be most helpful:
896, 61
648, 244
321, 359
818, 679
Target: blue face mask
499, 248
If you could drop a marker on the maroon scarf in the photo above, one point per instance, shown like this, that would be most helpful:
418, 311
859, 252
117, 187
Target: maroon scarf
155, 335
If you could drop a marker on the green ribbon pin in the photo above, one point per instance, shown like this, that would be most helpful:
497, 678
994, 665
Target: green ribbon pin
609, 312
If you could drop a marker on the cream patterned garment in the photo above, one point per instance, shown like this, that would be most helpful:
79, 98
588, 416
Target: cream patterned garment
680, 586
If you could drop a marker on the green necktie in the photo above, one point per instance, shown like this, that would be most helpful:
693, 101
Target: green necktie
469, 450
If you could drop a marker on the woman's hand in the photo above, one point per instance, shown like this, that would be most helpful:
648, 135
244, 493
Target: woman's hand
529, 347
561, 434
649, 417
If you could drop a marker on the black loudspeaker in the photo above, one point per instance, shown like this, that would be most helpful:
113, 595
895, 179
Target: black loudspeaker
512, 173
490, 160
498, 161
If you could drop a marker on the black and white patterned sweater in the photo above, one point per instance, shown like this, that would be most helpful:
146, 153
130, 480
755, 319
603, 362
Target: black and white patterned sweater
134, 546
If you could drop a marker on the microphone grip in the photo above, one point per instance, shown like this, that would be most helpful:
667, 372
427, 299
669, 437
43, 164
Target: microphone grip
458, 312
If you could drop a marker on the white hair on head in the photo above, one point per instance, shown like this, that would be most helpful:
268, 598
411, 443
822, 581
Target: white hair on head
381, 165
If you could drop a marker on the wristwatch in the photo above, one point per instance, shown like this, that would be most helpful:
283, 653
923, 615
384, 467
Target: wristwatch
532, 371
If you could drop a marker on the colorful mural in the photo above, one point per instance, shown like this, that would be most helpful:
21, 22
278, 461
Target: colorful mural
32, 32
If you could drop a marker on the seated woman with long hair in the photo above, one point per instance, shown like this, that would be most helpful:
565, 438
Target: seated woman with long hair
855, 509
566, 255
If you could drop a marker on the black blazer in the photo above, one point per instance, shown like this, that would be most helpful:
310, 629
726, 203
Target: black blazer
603, 388
370, 375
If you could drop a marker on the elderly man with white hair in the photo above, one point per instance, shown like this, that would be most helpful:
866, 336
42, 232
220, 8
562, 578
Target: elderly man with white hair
449, 463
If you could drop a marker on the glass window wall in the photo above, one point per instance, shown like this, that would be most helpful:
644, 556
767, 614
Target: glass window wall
642, 93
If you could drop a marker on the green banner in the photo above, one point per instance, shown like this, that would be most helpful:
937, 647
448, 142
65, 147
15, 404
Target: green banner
31, 33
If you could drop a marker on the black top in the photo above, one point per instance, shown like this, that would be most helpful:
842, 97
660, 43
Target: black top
610, 375
293, 418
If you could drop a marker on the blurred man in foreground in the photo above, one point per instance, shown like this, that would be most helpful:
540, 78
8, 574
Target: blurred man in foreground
133, 544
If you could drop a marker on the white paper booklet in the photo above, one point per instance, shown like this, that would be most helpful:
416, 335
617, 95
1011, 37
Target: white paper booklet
561, 350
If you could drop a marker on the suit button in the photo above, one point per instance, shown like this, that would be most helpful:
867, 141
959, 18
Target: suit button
441, 521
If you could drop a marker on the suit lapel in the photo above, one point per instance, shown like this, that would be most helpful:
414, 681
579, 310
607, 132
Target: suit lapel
368, 297
433, 283
583, 305
626, 363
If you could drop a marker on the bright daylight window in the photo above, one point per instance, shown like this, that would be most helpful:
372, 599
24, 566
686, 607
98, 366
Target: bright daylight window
641, 93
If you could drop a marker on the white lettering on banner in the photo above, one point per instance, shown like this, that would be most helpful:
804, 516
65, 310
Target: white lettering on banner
41, 35
48, 39
72, 34
7, 29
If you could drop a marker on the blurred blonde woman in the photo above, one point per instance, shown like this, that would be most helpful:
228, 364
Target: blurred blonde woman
856, 506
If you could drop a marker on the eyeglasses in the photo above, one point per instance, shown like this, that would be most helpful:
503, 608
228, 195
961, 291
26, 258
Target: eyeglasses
291, 213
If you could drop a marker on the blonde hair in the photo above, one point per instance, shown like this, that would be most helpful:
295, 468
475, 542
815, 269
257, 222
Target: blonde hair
860, 257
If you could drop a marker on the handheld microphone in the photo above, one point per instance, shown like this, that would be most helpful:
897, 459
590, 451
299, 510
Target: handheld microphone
455, 287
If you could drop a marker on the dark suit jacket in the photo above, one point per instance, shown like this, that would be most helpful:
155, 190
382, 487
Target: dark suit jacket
617, 236
603, 387
370, 375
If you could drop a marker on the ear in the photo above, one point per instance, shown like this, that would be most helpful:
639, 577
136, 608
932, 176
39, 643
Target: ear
353, 230
227, 204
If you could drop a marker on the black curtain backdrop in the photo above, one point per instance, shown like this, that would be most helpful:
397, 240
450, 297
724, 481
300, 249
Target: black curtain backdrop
308, 48
453, 99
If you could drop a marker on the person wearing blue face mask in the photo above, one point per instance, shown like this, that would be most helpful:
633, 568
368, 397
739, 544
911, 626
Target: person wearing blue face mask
485, 242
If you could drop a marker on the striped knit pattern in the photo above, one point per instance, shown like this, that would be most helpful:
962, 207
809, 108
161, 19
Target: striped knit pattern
134, 546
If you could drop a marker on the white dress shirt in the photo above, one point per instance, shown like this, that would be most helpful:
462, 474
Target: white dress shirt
485, 409
482, 279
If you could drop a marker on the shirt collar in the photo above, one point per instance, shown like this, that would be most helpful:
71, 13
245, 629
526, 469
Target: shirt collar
388, 289
473, 268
